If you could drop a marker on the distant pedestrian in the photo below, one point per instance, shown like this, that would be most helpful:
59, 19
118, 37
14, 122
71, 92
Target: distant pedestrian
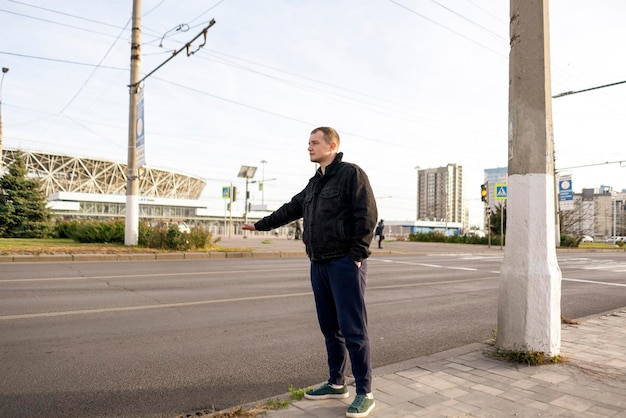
339, 214
380, 233
298, 234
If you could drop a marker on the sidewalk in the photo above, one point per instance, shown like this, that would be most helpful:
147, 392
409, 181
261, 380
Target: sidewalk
469, 382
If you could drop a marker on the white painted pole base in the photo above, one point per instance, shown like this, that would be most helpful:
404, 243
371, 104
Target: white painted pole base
529, 305
131, 230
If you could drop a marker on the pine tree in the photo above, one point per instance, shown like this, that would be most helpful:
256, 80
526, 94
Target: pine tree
23, 211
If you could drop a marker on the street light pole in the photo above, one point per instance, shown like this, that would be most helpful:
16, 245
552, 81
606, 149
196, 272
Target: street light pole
246, 172
131, 231
4, 71
417, 203
263, 182
614, 217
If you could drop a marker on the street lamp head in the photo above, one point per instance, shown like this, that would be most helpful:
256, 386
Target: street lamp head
246, 172
5, 70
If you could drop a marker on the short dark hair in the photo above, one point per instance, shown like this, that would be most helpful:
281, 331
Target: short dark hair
330, 135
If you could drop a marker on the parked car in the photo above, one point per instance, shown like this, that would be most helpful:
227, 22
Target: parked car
183, 227
586, 238
615, 239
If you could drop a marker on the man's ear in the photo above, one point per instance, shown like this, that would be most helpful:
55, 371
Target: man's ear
333, 146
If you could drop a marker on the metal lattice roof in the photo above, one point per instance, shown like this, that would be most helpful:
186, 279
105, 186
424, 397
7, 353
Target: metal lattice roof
65, 173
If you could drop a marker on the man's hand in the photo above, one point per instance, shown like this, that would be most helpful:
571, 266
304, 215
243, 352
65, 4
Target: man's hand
248, 227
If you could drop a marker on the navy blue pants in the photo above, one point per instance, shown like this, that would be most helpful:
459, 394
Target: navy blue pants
339, 290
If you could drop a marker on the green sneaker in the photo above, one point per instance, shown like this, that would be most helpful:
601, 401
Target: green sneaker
326, 391
361, 407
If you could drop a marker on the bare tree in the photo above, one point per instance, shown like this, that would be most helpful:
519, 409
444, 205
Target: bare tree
578, 221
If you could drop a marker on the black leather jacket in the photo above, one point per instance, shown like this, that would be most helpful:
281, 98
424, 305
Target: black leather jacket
338, 210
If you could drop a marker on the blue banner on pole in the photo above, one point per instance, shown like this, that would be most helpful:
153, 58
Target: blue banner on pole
566, 193
140, 131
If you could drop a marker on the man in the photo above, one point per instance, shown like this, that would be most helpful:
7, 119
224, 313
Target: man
380, 233
339, 213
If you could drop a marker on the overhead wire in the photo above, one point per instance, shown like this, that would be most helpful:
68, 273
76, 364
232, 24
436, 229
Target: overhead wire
290, 118
188, 24
565, 71
145, 30
96, 68
57, 23
65, 14
62, 61
460, 15
402, 111
433, 21
498, 18
205, 12
153, 9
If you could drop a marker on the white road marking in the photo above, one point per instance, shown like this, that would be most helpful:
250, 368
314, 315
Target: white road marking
594, 282
146, 307
217, 301
135, 276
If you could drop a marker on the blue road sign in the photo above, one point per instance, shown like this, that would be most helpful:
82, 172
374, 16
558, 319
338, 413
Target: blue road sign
500, 191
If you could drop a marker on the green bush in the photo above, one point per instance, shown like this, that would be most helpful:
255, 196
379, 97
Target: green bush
570, 241
99, 232
65, 229
454, 239
170, 238
160, 237
427, 237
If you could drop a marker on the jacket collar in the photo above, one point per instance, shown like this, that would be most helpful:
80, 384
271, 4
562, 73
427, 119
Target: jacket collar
332, 167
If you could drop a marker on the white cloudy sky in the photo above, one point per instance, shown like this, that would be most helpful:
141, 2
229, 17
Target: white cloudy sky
405, 82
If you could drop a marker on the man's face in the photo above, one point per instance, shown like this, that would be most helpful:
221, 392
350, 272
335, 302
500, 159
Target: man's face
320, 151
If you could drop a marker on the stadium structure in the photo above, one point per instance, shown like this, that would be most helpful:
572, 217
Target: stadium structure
90, 188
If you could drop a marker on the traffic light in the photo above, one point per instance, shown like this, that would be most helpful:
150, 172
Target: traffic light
483, 193
234, 196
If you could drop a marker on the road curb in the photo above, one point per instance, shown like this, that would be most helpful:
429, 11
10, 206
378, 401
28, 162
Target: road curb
213, 255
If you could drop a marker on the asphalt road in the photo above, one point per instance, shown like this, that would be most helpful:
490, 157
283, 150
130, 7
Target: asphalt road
160, 338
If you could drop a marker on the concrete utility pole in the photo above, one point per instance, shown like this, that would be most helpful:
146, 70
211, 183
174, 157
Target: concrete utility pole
131, 231
4, 71
529, 306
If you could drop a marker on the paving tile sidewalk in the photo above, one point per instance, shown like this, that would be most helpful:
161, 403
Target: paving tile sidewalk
469, 382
